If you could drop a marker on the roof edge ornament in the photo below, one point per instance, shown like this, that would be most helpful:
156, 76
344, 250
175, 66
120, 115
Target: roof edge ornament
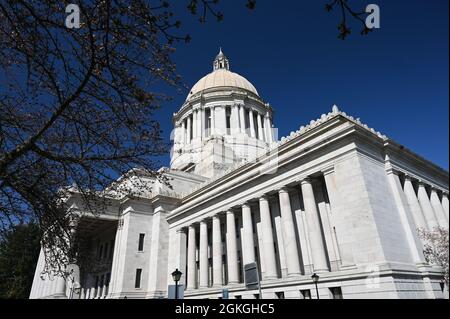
335, 109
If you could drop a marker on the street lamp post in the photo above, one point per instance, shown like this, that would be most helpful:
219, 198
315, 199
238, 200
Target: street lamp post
176, 275
315, 278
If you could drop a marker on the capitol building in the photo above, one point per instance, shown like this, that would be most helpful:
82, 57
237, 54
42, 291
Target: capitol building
334, 198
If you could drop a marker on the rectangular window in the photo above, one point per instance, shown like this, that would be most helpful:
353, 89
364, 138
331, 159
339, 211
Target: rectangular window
137, 282
141, 242
238, 297
336, 292
306, 294
228, 119
256, 296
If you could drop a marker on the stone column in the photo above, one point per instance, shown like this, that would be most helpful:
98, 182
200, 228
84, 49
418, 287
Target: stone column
61, 286
217, 251
192, 264
267, 239
183, 132
234, 119
242, 118
445, 204
438, 210
252, 123
288, 230
188, 132
194, 124
202, 123
426, 207
213, 120
269, 131
233, 275
260, 128
314, 231
203, 253
413, 203
248, 245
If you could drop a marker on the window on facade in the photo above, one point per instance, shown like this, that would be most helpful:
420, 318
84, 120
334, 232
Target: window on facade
105, 251
306, 294
238, 297
208, 122
137, 282
256, 296
336, 292
141, 242
228, 119
247, 120
280, 295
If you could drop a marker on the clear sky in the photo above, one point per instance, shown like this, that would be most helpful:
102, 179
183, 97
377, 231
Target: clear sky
395, 79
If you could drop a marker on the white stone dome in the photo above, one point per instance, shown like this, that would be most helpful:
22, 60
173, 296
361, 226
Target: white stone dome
221, 77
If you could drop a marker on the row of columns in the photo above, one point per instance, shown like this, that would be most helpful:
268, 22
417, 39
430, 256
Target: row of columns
96, 292
194, 126
428, 211
266, 246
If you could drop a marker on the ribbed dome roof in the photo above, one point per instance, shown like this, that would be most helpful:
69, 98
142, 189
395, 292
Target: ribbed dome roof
222, 78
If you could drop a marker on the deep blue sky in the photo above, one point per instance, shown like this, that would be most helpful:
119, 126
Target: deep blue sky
394, 79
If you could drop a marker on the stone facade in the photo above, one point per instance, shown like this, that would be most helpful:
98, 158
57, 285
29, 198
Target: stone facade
334, 198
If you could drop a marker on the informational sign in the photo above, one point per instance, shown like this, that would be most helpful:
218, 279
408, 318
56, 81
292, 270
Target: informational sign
171, 292
225, 294
251, 276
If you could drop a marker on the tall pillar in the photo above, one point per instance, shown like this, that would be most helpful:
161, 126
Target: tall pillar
234, 120
413, 203
183, 132
232, 263
192, 265
426, 207
269, 131
268, 248
217, 251
252, 123
203, 253
314, 230
445, 204
194, 124
260, 128
188, 133
248, 245
242, 118
288, 230
61, 286
438, 210
202, 123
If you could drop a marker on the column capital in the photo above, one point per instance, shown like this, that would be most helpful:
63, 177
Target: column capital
408, 177
328, 170
282, 189
421, 183
306, 180
245, 204
263, 197
181, 230
229, 212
